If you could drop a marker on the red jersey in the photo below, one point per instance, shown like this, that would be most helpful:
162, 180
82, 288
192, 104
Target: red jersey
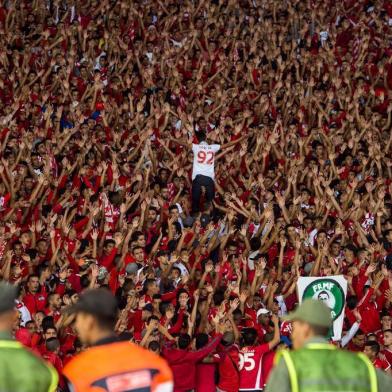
251, 377
205, 377
229, 375
381, 364
388, 355
35, 302
267, 365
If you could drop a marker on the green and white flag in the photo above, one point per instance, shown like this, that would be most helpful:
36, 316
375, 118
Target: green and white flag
332, 291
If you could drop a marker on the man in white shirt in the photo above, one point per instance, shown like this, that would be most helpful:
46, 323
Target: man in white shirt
203, 172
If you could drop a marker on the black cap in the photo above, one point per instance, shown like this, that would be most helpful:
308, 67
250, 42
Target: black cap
8, 295
149, 308
97, 302
204, 220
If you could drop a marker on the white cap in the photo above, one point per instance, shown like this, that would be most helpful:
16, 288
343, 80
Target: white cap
262, 311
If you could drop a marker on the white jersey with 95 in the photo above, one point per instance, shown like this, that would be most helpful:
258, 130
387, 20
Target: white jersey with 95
204, 159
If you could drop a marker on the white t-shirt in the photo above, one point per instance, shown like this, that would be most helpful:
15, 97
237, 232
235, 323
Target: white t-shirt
24, 312
204, 159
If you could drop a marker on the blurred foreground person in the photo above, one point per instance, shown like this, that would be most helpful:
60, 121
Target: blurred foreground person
110, 364
20, 369
316, 365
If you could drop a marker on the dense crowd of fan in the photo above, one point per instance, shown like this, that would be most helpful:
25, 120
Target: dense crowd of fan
100, 102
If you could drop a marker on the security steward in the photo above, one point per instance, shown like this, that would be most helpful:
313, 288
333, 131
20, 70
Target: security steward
109, 364
316, 365
20, 369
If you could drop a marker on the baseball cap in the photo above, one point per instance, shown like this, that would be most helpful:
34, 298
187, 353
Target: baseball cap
262, 311
313, 312
149, 308
131, 268
97, 302
8, 295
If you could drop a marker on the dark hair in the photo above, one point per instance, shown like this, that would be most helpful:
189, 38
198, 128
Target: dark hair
173, 207
218, 297
32, 322
154, 346
268, 337
147, 283
52, 344
51, 295
352, 248
136, 247
136, 235
125, 336
201, 136
152, 318
177, 269
31, 276
70, 292
184, 340
201, 340
41, 268
374, 346
108, 242
352, 302
249, 336
47, 322
255, 243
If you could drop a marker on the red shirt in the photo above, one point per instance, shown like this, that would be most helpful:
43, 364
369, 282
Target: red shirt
229, 375
183, 364
380, 364
267, 363
370, 314
205, 377
388, 355
250, 366
135, 320
35, 302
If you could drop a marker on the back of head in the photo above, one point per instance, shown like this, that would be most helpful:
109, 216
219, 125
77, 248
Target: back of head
184, 340
201, 136
101, 304
249, 336
154, 346
52, 345
228, 339
201, 340
373, 346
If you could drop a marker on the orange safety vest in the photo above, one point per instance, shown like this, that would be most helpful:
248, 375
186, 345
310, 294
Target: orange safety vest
118, 367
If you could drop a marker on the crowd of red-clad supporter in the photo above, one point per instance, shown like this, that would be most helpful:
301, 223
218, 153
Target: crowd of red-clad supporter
99, 104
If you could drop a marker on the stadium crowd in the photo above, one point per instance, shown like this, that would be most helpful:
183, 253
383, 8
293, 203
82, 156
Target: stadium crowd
100, 103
